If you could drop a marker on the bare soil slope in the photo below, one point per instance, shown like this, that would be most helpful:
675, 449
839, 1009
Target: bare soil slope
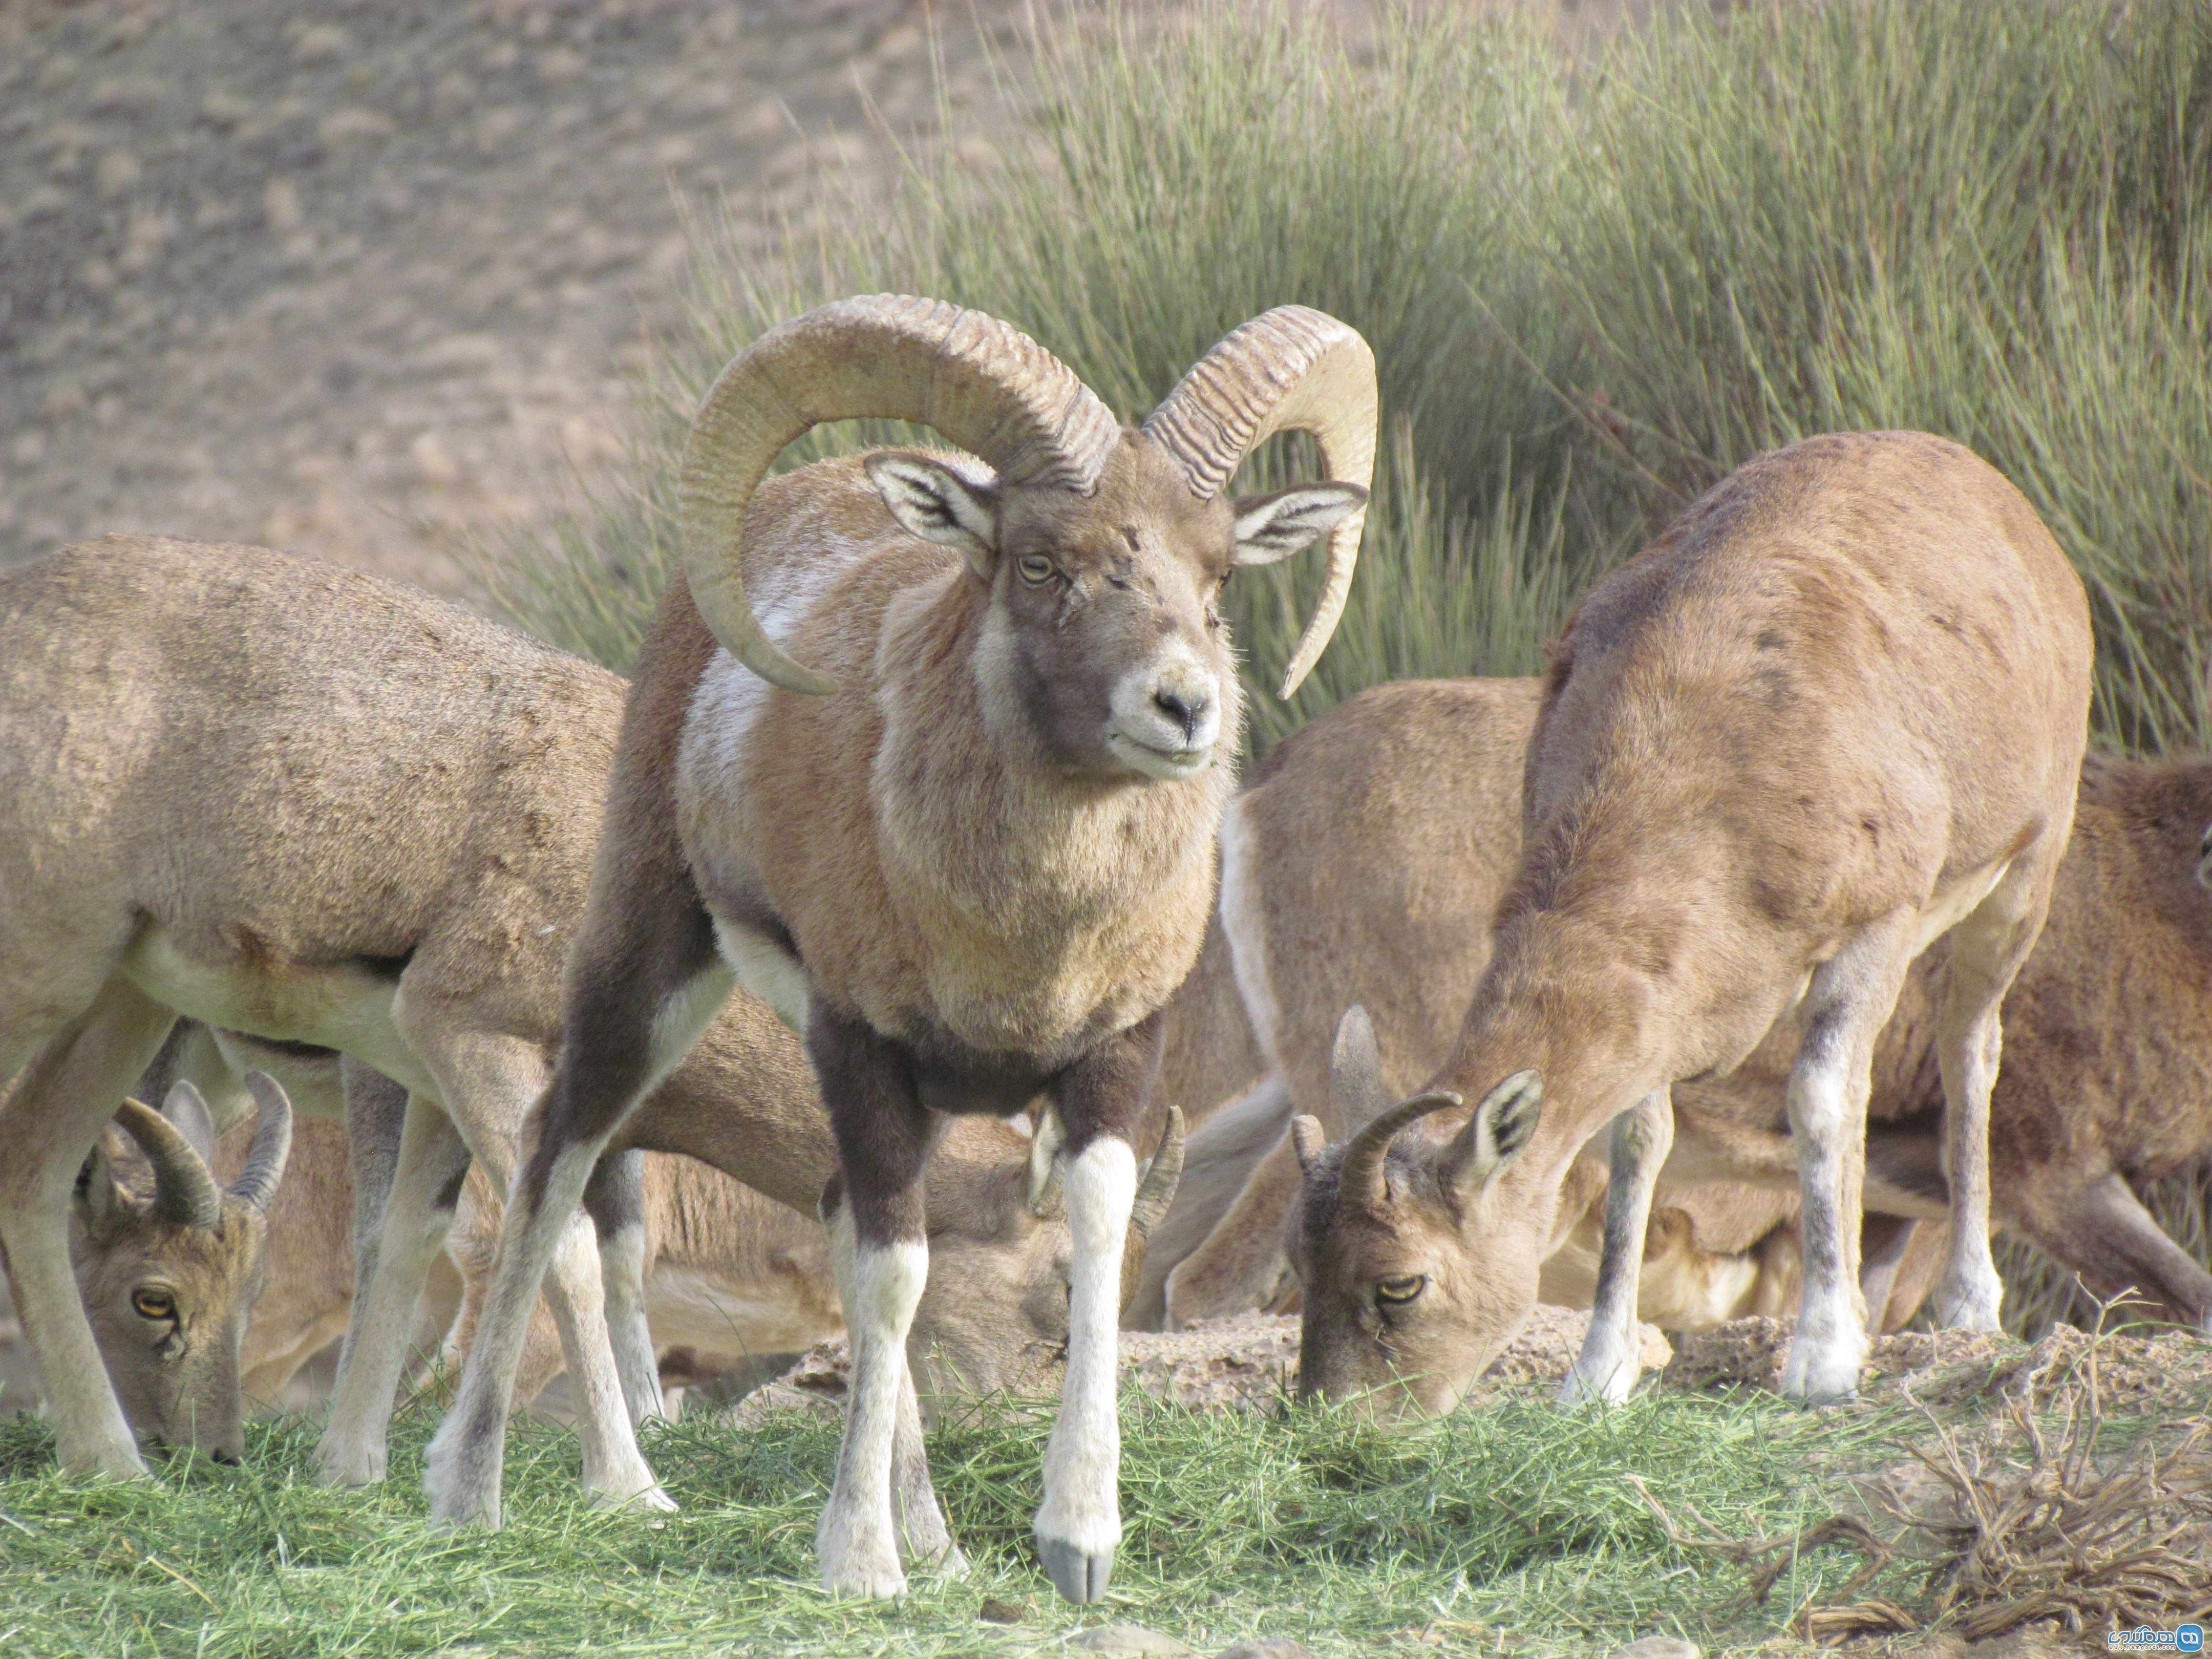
347, 277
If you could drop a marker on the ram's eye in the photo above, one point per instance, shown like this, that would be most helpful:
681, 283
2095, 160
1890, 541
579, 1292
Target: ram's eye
1399, 1290
155, 1304
1035, 567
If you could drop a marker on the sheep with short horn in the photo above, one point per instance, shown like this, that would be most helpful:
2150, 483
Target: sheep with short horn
169, 1276
976, 863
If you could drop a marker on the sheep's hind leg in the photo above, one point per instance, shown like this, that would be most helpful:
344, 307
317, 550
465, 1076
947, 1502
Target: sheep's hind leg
1987, 949
414, 1217
1610, 1359
1849, 1001
616, 1199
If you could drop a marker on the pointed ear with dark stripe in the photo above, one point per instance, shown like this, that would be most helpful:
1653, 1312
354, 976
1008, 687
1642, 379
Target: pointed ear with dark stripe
1496, 1134
940, 503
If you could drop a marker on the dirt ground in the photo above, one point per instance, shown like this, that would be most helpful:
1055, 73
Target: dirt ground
359, 277
352, 278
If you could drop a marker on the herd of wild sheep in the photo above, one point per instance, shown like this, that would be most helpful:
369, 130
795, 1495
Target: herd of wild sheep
908, 891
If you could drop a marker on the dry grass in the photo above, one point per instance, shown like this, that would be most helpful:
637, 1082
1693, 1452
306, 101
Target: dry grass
2028, 1524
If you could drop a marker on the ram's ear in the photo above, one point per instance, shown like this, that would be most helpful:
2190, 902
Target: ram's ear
1272, 527
940, 502
1496, 1134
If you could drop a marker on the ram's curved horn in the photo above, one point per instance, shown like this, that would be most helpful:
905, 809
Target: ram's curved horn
185, 1189
1360, 1181
1291, 370
1158, 1190
272, 1144
985, 386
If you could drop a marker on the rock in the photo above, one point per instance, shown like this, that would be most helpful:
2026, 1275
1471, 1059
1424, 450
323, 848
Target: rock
1269, 1647
995, 1612
1657, 1647
1128, 1638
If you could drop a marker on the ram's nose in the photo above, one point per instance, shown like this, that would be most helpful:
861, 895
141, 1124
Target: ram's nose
1185, 707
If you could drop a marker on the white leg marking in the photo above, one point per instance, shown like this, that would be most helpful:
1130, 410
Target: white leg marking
461, 1473
637, 1361
615, 1470
768, 971
352, 1450
856, 1539
685, 1013
1079, 1525
1852, 996
1970, 1293
1612, 1353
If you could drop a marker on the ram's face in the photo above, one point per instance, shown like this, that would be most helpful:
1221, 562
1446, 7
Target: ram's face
1105, 639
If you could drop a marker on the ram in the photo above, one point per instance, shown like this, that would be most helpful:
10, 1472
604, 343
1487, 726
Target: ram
969, 845
305, 804
1835, 714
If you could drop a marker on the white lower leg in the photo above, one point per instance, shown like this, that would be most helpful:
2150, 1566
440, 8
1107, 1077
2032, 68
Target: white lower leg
622, 1279
461, 1473
924, 1540
1612, 1351
1079, 1524
352, 1451
615, 1470
1969, 1294
1831, 1341
856, 1540
91, 1434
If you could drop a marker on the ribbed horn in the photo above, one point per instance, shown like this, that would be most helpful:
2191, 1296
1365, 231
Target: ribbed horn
986, 388
1157, 1189
1360, 1180
1291, 369
272, 1144
184, 1187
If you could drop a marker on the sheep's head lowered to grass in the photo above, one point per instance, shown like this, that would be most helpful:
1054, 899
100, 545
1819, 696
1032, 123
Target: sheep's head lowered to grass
1104, 550
169, 1279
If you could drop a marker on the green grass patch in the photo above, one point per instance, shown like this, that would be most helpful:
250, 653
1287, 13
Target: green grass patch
1514, 1519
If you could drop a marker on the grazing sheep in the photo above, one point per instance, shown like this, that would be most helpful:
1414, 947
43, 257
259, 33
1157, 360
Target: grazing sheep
1835, 714
973, 864
169, 1260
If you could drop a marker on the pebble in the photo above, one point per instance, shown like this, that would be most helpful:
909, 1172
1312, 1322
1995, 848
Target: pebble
1657, 1647
1128, 1638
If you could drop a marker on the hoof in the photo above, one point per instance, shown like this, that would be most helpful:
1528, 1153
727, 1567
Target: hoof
863, 1573
1081, 1576
1576, 1390
456, 1502
342, 1465
1819, 1383
651, 1501
1974, 1308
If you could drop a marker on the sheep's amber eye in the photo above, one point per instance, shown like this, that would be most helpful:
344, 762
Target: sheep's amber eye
155, 1304
1035, 567
1401, 1289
